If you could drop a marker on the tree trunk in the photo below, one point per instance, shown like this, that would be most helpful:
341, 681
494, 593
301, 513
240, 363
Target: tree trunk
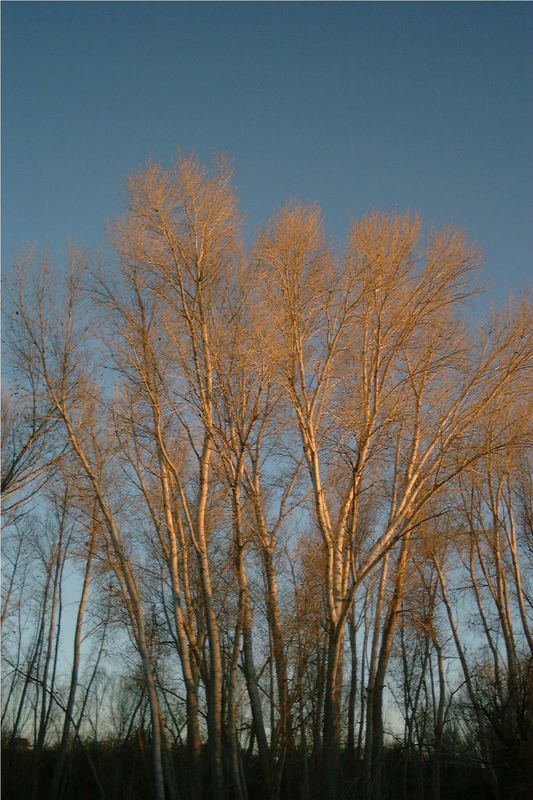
63, 746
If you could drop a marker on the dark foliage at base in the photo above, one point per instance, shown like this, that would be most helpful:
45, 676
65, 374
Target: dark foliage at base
105, 771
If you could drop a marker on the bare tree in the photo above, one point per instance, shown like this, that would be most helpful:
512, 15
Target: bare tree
269, 455
53, 340
376, 343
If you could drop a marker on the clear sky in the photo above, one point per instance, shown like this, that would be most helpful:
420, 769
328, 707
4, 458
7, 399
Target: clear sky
421, 106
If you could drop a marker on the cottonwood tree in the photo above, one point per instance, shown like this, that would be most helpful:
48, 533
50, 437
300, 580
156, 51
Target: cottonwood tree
287, 443
182, 233
52, 331
378, 369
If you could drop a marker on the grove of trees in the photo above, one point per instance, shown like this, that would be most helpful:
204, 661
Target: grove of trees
268, 522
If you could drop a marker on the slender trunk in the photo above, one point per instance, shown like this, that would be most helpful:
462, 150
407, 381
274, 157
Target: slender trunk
284, 739
231, 722
332, 712
63, 747
438, 726
284, 731
387, 638
485, 752
214, 693
363, 678
372, 681
483, 617
28, 674
191, 683
350, 745
504, 611
318, 705
246, 616
58, 561
131, 596
9, 592
510, 531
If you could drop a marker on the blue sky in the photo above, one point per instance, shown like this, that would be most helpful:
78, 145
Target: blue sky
421, 106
